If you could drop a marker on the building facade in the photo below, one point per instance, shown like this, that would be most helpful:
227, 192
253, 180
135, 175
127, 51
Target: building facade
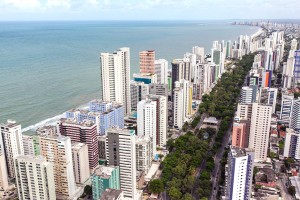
260, 130
80, 162
121, 151
34, 178
115, 77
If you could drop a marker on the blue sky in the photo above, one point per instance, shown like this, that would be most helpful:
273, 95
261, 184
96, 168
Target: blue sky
148, 9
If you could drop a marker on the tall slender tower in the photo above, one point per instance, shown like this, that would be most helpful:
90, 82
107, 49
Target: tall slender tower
239, 173
57, 150
13, 144
121, 151
146, 120
260, 130
115, 77
34, 178
147, 60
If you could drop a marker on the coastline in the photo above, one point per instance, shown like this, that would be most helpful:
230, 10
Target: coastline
28, 130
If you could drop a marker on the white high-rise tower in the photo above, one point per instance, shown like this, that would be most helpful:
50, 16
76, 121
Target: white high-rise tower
115, 77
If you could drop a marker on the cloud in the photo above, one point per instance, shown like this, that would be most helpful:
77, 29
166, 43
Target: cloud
59, 4
21, 4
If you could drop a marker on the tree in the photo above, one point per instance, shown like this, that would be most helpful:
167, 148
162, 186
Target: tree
174, 193
156, 186
88, 190
187, 196
292, 190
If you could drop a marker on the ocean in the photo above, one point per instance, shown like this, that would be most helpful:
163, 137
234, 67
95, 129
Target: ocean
47, 68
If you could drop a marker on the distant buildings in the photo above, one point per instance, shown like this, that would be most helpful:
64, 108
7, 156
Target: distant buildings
248, 95
144, 153
239, 173
297, 67
34, 178
138, 92
104, 177
115, 77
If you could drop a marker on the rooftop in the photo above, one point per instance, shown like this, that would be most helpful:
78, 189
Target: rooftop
85, 123
104, 171
239, 152
110, 194
78, 145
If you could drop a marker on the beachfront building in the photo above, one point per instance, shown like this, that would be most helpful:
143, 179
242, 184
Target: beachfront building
239, 173
85, 132
57, 150
12, 144
121, 151
34, 178
115, 77
104, 177
80, 162
104, 114
147, 61
260, 130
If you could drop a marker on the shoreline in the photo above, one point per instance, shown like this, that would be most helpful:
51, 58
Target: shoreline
28, 130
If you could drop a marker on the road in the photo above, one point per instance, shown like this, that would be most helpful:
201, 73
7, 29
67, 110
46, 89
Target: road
281, 184
218, 158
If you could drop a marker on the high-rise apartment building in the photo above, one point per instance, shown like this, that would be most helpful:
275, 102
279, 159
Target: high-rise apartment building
104, 114
147, 62
121, 151
12, 143
292, 144
104, 177
297, 67
181, 69
144, 153
80, 162
158, 89
3, 167
240, 135
178, 111
260, 130
161, 119
34, 178
244, 111
199, 52
57, 150
268, 96
138, 92
239, 173
287, 101
295, 116
161, 70
147, 121
85, 132
28, 144
248, 95
115, 77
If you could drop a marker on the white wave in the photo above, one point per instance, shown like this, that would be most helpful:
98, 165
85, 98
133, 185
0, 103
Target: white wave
51, 121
